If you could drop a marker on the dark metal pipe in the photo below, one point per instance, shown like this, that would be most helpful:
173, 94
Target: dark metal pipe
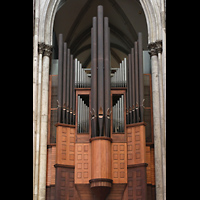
136, 83
141, 84
64, 82
133, 84
130, 88
73, 94
127, 96
107, 110
60, 66
68, 84
100, 70
94, 78
70, 89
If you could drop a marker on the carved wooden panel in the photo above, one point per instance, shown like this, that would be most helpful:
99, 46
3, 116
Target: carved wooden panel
51, 161
137, 187
101, 158
65, 188
65, 142
84, 191
119, 162
116, 192
151, 166
82, 163
136, 144
148, 161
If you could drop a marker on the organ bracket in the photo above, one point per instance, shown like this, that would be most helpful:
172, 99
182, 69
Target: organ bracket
58, 104
108, 113
93, 114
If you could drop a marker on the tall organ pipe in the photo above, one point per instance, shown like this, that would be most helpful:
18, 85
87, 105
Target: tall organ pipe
141, 86
130, 91
94, 78
107, 76
100, 70
133, 85
68, 83
64, 82
73, 94
60, 63
136, 83
127, 96
70, 86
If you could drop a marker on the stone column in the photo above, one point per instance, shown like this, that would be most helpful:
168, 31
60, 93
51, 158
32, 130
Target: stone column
162, 112
156, 120
43, 121
35, 71
38, 112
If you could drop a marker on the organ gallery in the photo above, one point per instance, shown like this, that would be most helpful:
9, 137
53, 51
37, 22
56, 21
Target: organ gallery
100, 119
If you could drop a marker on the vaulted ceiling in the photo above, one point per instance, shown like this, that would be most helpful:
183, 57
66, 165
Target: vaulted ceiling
74, 20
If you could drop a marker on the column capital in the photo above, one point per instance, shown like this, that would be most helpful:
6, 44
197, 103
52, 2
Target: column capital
47, 50
41, 47
159, 45
152, 49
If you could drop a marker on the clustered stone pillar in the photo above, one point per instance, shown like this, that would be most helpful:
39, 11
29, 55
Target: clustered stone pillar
155, 51
40, 150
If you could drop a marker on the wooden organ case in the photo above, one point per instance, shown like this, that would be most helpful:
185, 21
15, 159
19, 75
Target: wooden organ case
101, 151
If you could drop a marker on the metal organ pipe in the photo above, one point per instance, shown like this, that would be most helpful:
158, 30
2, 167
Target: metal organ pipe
83, 116
119, 78
118, 115
100, 69
107, 110
100, 58
68, 85
141, 84
75, 71
64, 82
127, 97
94, 78
60, 63
71, 94
130, 91
135, 83
81, 78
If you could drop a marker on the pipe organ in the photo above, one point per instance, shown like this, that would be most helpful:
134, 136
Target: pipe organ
119, 78
82, 80
83, 116
118, 115
100, 130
